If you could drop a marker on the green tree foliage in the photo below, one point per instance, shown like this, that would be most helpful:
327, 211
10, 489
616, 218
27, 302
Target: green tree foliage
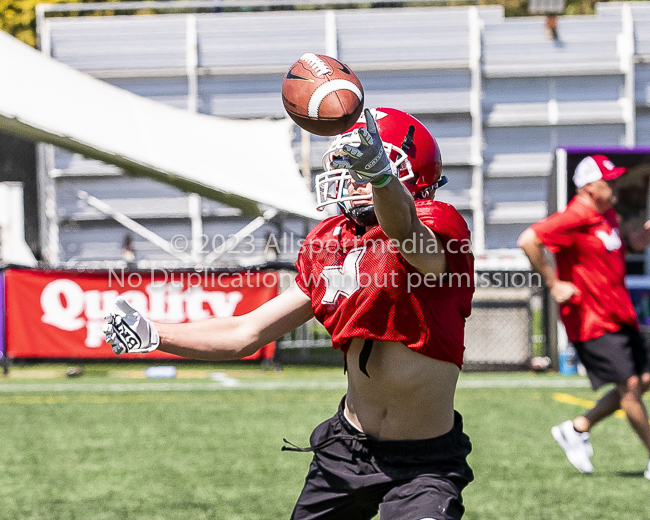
520, 7
18, 17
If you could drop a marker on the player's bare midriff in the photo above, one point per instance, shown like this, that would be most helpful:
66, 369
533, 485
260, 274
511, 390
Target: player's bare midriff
408, 395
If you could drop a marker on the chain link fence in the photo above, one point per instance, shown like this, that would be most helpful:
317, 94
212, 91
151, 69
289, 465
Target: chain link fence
507, 327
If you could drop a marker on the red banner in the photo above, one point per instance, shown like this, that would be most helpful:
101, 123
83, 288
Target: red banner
60, 314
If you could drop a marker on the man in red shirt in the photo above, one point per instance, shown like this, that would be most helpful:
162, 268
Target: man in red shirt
595, 305
392, 280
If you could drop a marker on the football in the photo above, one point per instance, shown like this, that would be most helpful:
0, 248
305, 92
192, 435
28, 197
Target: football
322, 95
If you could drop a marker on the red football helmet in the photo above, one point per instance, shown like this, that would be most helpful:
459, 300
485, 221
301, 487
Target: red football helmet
413, 152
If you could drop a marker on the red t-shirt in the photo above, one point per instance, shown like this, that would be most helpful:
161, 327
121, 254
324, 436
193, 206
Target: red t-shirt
362, 287
589, 253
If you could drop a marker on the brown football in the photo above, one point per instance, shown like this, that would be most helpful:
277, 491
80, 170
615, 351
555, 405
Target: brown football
322, 95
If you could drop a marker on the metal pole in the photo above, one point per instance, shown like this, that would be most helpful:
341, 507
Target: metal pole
235, 239
132, 225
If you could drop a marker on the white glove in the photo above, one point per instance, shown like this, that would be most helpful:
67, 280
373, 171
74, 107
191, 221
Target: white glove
367, 162
128, 331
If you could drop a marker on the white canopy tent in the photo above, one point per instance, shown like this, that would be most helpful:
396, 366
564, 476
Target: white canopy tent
240, 163
13, 248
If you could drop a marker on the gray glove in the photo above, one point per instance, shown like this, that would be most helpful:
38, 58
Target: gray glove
128, 331
367, 162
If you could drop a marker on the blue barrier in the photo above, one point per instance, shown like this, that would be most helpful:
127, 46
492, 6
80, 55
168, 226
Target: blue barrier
568, 362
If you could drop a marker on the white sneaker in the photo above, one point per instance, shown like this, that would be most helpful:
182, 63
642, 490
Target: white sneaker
646, 473
576, 446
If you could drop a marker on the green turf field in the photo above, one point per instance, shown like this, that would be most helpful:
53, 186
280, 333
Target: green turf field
112, 445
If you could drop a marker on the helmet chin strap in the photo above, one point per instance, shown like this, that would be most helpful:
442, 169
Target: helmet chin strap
361, 215
365, 215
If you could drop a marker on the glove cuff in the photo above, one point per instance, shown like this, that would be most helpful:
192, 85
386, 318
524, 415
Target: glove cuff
382, 181
154, 337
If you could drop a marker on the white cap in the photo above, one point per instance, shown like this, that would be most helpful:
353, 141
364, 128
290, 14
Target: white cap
596, 167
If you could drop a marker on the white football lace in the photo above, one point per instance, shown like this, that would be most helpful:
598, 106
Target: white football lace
315, 62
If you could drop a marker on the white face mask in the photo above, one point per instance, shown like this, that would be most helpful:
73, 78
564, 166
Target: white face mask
332, 185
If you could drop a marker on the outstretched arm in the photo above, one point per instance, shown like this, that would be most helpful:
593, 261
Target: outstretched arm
417, 243
220, 339
394, 206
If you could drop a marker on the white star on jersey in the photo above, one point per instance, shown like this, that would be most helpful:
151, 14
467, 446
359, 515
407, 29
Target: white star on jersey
344, 280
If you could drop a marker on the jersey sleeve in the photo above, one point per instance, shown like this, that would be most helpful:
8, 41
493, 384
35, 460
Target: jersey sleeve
303, 274
304, 265
557, 231
444, 220
305, 262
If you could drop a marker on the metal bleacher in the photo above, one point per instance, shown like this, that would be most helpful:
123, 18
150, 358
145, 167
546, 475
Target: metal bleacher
540, 94
499, 96
641, 16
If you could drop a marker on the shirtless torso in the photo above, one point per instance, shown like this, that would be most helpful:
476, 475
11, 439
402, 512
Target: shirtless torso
407, 396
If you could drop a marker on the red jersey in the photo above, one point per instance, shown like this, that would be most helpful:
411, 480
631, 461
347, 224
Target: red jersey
362, 287
590, 254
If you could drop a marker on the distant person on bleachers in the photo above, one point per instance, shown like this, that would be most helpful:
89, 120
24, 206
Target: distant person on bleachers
550, 24
128, 252
595, 305
551, 9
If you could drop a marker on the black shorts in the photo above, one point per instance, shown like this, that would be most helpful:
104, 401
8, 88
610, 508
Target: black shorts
353, 476
614, 357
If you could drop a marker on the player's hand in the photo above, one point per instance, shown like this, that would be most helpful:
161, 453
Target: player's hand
368, 161
563, 292
128, 331
639, 239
